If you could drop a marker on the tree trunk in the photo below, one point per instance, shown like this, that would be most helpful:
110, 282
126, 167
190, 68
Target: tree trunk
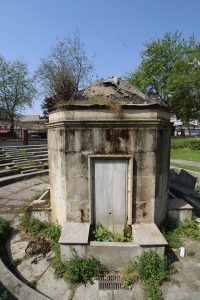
12, 126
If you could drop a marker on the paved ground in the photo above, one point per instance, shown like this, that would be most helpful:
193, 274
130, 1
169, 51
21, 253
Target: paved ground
185, 162
184, 286
15, 195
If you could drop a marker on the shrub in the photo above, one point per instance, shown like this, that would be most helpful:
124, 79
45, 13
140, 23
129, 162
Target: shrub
53, 232
83, 270
4, 229
151, 270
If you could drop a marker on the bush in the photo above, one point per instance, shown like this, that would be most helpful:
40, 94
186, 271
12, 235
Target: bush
33, 226
53, 231
151, 270
4, 229
83, 270
77, 269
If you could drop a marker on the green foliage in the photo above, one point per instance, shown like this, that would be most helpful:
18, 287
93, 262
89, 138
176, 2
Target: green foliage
53, 232
170, 230
4, 229
33, 226
77, 269
197, 188
16, 87
191, 144
153, 292
129, 275
15, 262
190, 229
102, 234
83, 270
191, 253
151, 270
174, 231
169, 70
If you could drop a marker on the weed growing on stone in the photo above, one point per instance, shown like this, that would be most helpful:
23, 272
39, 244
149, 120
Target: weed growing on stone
77, 269
53, 231
32, 226
102, 234
83, 269
4, 229
151, 270
197, 188
191, 253
174, 231
15, 262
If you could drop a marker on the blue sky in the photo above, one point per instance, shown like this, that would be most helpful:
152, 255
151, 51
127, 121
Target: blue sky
114, 32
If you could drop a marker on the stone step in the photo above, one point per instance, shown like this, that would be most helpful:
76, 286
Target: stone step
14, 178
29, 171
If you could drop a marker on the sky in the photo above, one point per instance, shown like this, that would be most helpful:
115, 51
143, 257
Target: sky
113, 32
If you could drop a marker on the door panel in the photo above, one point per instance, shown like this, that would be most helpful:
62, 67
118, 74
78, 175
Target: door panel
110, 192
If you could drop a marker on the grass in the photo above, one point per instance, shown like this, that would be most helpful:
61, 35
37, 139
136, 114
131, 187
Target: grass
174, 231
183, 140
186, 167
186, 148
185, 154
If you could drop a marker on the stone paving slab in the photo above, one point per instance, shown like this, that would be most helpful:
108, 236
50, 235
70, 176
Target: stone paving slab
32, 271
55, 288
13, 196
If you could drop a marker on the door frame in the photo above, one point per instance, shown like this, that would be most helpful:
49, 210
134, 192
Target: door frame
129, 159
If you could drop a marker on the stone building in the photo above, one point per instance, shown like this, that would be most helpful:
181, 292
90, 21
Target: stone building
109, 157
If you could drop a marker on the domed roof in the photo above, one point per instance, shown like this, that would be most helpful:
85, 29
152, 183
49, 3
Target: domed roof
116, 88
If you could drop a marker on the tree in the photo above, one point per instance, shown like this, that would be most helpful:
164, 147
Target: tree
65, 69
169, 71
16, 88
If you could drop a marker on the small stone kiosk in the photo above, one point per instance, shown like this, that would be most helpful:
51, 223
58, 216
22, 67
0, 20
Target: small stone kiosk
109, 164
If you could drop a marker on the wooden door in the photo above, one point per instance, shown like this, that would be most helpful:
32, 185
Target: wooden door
110, 192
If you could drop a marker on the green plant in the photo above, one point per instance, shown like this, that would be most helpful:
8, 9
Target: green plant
83, 270
58, 265
53, 232
129, 275
4, 229
151, 270
102, 234
33, 226
190, 228
174, 231
15, 262
191, 253
170, 230
153, 292
197, 188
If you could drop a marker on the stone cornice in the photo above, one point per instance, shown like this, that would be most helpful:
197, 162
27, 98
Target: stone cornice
110, 123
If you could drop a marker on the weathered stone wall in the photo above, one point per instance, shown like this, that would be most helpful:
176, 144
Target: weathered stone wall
71, 142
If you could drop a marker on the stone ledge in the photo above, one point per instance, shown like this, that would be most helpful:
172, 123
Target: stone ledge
146, 234
75, 233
